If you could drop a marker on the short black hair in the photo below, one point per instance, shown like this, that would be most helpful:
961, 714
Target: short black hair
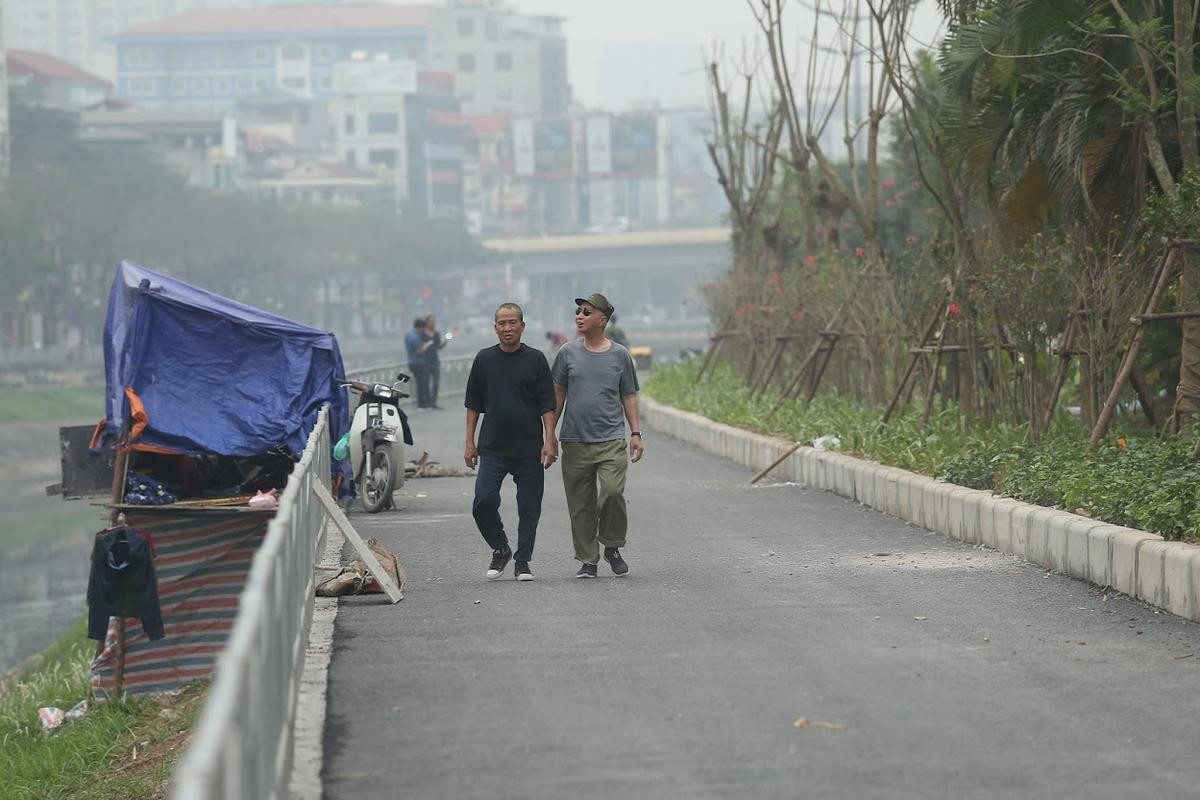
419, 322
513, 306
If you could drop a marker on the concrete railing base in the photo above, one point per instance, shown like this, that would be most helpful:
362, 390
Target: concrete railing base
1134, 562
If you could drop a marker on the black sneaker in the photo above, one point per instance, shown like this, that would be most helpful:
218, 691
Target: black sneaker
613, 556
521, 571
586, 571
500, 559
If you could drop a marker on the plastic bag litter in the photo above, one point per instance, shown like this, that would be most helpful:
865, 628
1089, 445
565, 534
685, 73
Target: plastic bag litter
265, 499
827, 442
52, 717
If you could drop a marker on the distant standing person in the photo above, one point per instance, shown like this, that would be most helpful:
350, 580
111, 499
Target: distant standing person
615, 332
510, 386
595, 385
417, 344
433, 362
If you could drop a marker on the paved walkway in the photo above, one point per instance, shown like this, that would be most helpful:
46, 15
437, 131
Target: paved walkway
959, 672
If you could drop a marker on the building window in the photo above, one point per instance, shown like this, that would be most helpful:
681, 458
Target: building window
179, 86
384, 122
350, 157
466, 62
326, 53
466, 26
220, 85
504, 95
298, 83
504, 62
201, 85
139, 57
348, 126
140, 87
260, 54
260, 85
384, 158
326, 83
292, 51
243, 84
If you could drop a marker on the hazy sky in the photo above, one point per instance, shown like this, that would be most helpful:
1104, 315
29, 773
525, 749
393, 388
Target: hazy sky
675, 28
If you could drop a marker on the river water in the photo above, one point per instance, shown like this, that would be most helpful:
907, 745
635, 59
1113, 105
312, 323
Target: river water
43, 576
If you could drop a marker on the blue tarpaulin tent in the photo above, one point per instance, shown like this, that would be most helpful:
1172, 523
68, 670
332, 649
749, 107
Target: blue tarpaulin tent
214, 375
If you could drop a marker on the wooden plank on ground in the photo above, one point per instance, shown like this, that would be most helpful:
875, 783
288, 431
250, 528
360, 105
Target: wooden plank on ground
339, 519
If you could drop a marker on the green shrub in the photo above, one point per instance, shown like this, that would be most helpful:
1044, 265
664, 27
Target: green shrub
1132, 478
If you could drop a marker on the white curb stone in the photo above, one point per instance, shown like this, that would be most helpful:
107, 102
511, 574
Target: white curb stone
1177, 580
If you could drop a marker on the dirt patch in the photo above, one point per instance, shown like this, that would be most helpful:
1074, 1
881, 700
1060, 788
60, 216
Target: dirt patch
932, 560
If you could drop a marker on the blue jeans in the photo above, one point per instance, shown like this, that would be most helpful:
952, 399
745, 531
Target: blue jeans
530, 478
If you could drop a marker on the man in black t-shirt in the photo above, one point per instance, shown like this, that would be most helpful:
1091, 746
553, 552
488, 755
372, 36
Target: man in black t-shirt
510, 385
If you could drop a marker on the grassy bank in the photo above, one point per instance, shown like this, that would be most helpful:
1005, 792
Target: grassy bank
118, 749
1133, 478
49, 404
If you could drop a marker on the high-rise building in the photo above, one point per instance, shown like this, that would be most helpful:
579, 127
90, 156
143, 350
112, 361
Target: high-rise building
503, 60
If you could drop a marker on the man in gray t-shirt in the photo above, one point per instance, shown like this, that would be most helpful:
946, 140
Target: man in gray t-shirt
595, 389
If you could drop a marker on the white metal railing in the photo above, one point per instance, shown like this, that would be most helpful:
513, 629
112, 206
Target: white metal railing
242, 745
453, 378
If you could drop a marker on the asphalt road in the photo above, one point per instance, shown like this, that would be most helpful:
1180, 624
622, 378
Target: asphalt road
957, 672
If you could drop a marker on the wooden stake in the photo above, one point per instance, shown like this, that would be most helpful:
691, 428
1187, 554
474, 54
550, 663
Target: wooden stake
1161, 279
714, 348
762, 472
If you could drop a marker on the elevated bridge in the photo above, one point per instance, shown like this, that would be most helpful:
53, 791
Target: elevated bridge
645, 273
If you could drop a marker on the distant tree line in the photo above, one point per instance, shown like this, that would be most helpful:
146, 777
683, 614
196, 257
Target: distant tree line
71, 211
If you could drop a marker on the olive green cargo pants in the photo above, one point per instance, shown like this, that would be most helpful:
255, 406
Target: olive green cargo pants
594, 480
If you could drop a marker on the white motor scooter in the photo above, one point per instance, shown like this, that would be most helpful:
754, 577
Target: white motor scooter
378, 432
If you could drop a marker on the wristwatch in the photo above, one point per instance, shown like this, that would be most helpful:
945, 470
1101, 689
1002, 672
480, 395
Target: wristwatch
635, 433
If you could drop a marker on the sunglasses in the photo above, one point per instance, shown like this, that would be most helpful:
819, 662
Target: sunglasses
587, 312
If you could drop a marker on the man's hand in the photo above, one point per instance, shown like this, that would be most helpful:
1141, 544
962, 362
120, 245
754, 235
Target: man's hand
549, 452
636, 449
471, 456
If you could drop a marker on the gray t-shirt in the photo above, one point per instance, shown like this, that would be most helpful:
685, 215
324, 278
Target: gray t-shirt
595, 383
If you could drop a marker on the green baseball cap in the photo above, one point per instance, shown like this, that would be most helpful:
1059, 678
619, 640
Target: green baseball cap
598, 302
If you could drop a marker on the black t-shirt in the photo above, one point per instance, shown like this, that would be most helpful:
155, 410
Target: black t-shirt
512, 391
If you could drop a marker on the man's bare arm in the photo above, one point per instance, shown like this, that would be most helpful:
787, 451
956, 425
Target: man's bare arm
471, 453
630, 404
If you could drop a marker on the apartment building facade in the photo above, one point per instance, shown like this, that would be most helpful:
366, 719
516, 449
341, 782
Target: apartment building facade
213, 60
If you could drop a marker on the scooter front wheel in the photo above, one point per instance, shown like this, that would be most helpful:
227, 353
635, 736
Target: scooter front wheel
380, 479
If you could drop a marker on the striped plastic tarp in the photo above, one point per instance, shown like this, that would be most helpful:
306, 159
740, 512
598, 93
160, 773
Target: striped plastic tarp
202, 563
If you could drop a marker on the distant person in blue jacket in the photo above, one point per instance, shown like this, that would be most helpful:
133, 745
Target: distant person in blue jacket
418, 343
433, 364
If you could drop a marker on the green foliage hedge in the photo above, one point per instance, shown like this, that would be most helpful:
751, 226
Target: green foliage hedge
1133, 478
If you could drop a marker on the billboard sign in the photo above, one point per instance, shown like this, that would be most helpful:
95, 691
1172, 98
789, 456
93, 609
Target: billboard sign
635, 144
375, 77
552, 146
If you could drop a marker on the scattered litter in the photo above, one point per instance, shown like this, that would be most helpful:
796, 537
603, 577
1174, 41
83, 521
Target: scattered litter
355, 578
826, 442
805, 722
920, 619
265, 499
477, 602
52, 717
424, 468
1186, 655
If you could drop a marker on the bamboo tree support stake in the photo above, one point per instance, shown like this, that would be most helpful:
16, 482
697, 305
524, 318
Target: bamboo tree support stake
794, 387
1161, 279
1145, 399
912, 361
1060, 376
714, 347
763, 472
830, 341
